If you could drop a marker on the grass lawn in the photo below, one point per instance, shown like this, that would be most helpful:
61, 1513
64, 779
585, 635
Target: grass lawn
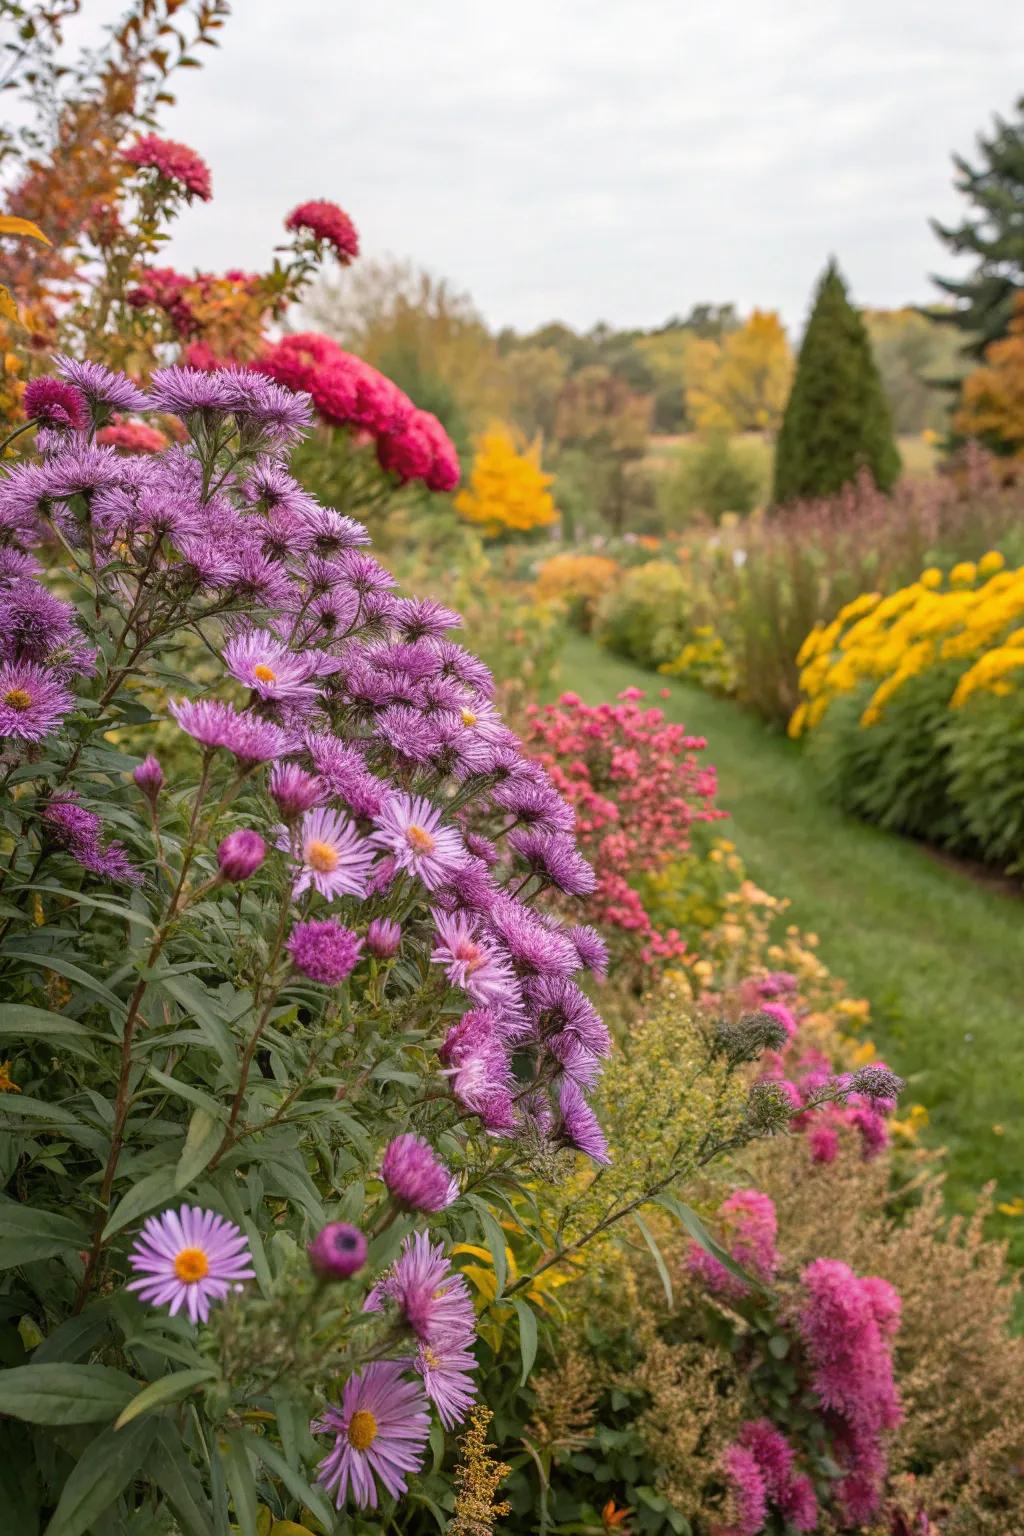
940, 958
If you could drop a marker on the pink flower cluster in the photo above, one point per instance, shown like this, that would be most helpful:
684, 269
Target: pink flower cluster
847, 1324
176, 293
752, 1229
348, 392
173, 162
760, 1471
326, 222
636, 786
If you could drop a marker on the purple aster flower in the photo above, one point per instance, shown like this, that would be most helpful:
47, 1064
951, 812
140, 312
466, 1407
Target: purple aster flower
383, 936
475, 1057
381, 1430
414, 1176
260, 661
15, 563
240, 854
878, 1083
184, 391
294, 790
558, 1008
554, 856
80, 467
410, 828
482, 848
363, 572
473, 963
471, 886
215, 724
33, 622
260, 406
149, 776
579, 1125
332, 531
531, 943
324, 951
331, 615
103, 386
463, 665
55, 403
79, 832
591, 948
333, 858
337, 1251
188, 1258
269, 487
535, 803
432, 1299
345, 773
445, 1371
456, 749
32, 701
24, 494
281, 534
415, 617
407, 732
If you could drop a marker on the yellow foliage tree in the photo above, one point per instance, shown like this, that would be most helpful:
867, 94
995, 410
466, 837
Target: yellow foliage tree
507, 491
992, 399
742, 384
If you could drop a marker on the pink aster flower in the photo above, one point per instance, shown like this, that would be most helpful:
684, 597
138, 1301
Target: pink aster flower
410, 828
294, 790
432, 1299
471, 962
327, 222
173, 162
748, 1498
445, 1371
55, 403
334, 859
381, 1429
188, 1258
215, 724
324, 951
415, 1177
260, 661
32, 701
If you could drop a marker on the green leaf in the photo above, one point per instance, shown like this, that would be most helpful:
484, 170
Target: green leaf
104, 1469
494, 1237
128, 914
205, 1135
64, 967
527, 1337
64, 1394
153, 1190
166, 1389
27, 1235
189, 1092
241, 1482
778, 1346
296, 1484
700, 1234
19, 1020
16, 1104
657, 1255
175, 1476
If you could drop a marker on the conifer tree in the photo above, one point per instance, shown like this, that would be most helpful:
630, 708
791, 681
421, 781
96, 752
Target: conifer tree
993, 233
837, 420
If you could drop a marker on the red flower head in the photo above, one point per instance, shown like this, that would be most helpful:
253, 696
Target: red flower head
329, 223
173, 162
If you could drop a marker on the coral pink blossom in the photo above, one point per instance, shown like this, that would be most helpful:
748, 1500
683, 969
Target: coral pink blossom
174, 162
326, 221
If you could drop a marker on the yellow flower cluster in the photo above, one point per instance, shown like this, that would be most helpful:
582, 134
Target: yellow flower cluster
507, 491
582, 579
974, 617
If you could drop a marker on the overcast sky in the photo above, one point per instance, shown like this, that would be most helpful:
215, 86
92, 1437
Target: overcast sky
613, 160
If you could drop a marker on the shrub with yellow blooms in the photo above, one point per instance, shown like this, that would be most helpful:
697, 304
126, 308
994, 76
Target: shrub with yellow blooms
508, 491
579, 581
915, 705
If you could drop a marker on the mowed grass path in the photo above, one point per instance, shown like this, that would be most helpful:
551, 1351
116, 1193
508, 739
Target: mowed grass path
940, 958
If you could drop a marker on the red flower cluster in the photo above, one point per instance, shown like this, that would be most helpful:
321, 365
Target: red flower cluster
178, 294
329, 223
132, 436
637, 787
348, 392
174, 162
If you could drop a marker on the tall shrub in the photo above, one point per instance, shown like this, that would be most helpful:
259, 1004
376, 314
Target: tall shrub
837, 420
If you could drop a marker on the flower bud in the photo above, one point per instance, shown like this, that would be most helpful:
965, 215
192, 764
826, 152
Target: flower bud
149, 777
877, 1082
241, 854
337, 1251
294, 790
383, 937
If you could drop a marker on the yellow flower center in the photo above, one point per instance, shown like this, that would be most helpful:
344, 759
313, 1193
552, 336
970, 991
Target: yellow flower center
18, 699
420, 839
430, 1360
362, 1430
468, 717
264, 674
321, 856
191, 1264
